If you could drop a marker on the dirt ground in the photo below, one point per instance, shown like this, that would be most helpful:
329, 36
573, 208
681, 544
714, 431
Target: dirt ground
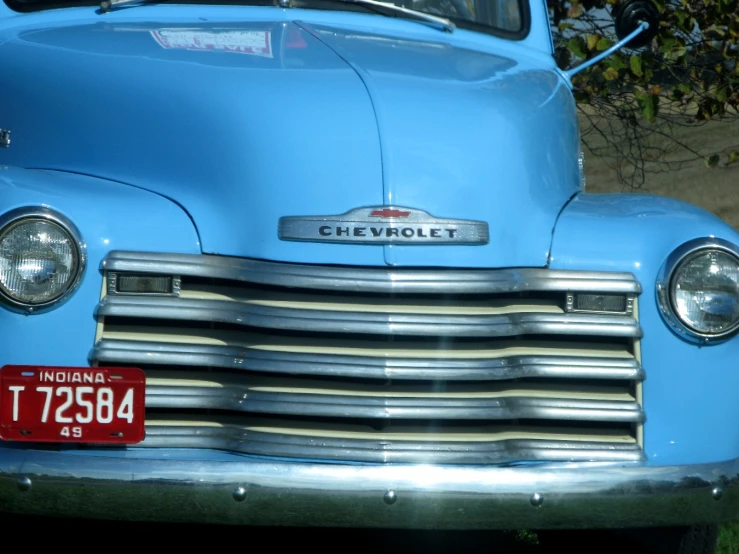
715, 189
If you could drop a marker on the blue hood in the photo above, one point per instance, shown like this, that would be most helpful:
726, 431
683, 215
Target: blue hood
242, 125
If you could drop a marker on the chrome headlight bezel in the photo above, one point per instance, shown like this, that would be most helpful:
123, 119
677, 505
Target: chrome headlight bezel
581, 169
13, 218
666, 287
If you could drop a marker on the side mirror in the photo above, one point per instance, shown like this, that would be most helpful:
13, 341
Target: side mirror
637, 23
629, 17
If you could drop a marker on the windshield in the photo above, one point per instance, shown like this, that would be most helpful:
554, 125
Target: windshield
504, 17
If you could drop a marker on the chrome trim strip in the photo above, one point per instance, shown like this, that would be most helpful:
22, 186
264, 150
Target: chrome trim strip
370, 279
252, 491
36, 212
666, 294
246, 399
498, 325
514, 367
383, 450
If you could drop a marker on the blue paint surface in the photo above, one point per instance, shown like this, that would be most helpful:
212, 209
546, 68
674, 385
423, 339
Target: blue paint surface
109, 216
690, 391
325, 117
472, 135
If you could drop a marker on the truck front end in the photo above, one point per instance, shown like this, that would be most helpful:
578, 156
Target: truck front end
307, 264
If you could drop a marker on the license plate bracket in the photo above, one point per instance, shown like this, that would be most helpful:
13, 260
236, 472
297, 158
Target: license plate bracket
72, 404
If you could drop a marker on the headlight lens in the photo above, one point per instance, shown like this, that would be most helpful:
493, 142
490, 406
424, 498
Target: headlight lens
700, 289
705, 292
40, 260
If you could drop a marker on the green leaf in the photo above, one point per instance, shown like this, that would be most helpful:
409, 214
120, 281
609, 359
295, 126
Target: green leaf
722, 94
712, 161
733, 157
576, 46
603, 44
685, 21
675, 53
635, 64
734, 28
668, 43
714, 33
592, 41
617, 62
610, 74
648, 104
575, 11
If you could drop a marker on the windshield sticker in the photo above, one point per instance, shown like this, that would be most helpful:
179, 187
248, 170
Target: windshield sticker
256, 43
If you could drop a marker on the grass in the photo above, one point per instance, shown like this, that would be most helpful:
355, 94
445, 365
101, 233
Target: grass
728, 540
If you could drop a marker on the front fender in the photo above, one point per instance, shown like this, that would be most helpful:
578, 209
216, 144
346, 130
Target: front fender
109, 216
690, 391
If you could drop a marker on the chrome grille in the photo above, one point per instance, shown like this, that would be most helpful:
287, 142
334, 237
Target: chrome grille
378, 365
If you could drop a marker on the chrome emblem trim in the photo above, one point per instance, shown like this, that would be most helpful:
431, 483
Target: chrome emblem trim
383, 225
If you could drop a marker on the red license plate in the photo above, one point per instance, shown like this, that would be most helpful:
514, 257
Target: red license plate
72, 404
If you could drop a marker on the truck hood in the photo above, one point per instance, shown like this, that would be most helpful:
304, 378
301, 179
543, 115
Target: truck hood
244, 124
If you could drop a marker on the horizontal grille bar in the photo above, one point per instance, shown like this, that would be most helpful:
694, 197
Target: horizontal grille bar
460, 446
372, 361
502, 325
305, 397
382, 280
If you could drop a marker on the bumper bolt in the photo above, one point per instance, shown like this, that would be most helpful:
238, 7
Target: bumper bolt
717, 493
390, 497
239, 494
24, 483
536, 500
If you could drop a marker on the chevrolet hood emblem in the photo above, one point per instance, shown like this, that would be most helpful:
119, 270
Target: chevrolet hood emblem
383, 225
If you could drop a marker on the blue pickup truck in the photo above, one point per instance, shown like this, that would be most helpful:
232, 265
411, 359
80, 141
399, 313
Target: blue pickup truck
332, 263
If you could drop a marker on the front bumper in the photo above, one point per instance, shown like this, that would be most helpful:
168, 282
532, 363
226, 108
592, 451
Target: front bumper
259, 492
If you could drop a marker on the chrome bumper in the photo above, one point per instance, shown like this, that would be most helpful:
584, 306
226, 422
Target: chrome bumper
415, 497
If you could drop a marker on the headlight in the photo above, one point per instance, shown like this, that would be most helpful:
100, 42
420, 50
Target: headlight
41, 258
699, 289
